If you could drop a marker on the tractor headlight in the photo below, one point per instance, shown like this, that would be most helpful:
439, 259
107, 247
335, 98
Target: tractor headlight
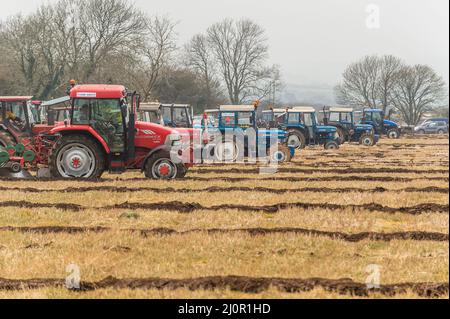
174, 139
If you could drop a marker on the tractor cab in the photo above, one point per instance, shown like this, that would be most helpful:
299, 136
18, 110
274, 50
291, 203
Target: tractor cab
240, 120
376, 118
177, 115
272, 118
151, 113
56, 110
19, 113
303, 129
343, 119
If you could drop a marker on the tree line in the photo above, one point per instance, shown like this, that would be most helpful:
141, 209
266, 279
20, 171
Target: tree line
386, 82
113, 41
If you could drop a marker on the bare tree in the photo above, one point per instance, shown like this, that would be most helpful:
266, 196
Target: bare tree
241, 49
200, 59
389, 66
107, 27
418, 90
18, 37
154, 54
360, 83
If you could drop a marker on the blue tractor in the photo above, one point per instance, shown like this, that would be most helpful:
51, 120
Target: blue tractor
376, 118
343, 119
230, 139
303, 129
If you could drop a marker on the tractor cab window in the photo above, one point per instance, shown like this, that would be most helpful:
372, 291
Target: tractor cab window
377, 118
267, 116
105, 116
228, 119
293, 118
346, 117
151, 117
16, 114
334, 117
245, 119
181, 117
308, 119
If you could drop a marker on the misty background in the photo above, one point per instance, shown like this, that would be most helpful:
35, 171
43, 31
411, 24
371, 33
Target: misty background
313, 41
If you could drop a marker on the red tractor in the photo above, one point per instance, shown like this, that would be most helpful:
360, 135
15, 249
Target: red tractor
102, 134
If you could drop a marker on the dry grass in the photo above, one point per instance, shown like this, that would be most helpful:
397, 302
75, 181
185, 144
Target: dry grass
129, 255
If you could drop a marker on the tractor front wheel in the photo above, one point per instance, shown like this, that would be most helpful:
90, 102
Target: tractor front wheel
161, 166
367, 140
393, 134
279, 154
76, 156
331, 145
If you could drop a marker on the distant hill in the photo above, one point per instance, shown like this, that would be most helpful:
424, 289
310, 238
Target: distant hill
307, 94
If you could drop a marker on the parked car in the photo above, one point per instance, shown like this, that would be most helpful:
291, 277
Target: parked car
437, 119
438, 127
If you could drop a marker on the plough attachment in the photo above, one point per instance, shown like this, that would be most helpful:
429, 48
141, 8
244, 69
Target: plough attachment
12, 161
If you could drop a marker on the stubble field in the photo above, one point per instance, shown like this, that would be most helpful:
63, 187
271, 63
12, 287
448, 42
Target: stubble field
318, 228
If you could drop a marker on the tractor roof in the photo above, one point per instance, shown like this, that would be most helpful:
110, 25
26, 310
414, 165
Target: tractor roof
176, 105
278, 110
341, 109
98, 91
149, 106
212, 111
15, 98
56, 101
305, 109
233, 108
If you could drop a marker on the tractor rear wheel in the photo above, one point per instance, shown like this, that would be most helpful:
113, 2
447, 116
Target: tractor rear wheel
161, 166
296, 139
393, 134
6, 139
367, 140
76, 156
331, 145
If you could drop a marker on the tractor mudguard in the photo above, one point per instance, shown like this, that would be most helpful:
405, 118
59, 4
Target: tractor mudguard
154, 151
70, 129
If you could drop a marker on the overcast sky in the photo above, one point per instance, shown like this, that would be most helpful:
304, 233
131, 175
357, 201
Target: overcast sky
313, 41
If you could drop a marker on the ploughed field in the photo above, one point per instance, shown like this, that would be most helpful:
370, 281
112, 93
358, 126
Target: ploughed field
322, 226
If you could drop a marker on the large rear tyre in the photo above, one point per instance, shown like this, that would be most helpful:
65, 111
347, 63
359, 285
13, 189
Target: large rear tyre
161, 166
77, 156
296, 139
367, 140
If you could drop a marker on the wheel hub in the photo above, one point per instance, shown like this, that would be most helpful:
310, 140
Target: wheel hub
164, 169
76, 160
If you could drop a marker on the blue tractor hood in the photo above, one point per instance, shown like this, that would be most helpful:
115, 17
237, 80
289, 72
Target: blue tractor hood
326, 129
390, 123
363, 127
